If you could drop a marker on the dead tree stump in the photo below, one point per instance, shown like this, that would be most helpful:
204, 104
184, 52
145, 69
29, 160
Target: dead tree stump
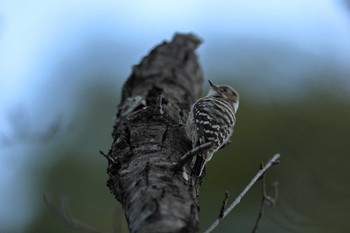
149, 137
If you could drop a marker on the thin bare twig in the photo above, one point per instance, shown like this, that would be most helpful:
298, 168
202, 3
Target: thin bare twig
261, 212
190, 154
223, 207
64, 213
272, 161
265, 200
275, 185
108, 157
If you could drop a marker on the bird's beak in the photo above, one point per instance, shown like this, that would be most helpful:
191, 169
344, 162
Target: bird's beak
213, 85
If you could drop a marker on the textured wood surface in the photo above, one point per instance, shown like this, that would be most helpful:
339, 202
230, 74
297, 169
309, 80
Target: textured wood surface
149, 137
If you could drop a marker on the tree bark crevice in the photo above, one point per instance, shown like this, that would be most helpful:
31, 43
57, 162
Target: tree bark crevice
149, 138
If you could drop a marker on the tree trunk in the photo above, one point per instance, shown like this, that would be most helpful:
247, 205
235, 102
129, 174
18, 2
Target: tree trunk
149, 137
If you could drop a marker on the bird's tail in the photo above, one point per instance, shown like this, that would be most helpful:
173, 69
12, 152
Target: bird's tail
198, 165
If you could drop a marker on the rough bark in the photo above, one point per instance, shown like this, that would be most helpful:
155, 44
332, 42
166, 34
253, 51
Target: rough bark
149, 137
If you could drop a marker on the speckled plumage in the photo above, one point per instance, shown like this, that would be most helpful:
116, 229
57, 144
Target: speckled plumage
212, 119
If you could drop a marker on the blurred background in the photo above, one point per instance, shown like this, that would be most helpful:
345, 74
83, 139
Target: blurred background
62, 64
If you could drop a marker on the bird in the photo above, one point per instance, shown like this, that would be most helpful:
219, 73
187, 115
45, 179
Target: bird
211, 119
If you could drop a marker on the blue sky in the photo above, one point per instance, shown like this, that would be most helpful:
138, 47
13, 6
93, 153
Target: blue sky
35, 36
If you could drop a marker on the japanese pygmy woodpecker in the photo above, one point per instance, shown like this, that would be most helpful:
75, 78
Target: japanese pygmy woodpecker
211, 119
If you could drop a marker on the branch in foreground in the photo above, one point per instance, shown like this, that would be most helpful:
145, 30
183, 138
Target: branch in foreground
272, 161
265, 200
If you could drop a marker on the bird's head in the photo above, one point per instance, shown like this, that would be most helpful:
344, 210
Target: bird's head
226, 92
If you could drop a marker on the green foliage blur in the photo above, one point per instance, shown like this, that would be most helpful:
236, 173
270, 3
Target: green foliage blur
311, 133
